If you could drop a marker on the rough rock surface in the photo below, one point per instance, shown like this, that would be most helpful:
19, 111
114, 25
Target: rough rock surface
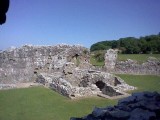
22, 64
63, 68
76, 82
151, 66
139, 106
110, 60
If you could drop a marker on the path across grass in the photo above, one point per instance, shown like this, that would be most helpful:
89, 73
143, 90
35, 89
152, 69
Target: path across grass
40, 103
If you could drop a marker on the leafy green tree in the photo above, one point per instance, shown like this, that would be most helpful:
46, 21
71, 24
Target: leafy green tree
131, 45
99, 56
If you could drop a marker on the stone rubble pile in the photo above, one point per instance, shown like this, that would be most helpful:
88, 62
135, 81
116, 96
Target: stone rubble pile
139, 106
75, 82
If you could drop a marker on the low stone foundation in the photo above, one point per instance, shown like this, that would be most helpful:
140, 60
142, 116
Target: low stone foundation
18, 85
75, 82
150, 67
112, 65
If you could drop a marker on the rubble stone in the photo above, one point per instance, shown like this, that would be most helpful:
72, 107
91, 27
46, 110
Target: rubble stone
63, 68
150, 67
110, 60
21, 64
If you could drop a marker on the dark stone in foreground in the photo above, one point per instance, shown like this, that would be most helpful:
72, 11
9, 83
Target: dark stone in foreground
139, 106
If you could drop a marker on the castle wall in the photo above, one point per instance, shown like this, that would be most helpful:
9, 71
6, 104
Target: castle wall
22, 64
150, 67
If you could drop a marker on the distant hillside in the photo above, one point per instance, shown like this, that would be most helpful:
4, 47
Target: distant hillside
131, 45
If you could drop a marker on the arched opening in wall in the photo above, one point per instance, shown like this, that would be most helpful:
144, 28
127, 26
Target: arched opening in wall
76, 55
107, 90
35, 72
100, 84
77, 59
116, 81
110, 91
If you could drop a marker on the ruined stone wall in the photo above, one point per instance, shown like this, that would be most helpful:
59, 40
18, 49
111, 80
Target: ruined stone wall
63, 68
150, 67
22, 64
110, 60
75, 82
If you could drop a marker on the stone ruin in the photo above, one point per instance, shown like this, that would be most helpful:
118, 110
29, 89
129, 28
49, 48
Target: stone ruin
150, 67
63, 68
110, 60
74, 82
22, 64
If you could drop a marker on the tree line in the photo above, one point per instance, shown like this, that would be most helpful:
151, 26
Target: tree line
131, 45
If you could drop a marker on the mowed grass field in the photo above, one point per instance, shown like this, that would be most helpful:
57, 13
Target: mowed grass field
38, 103
138, 57
93, 61
122, 57
143, 82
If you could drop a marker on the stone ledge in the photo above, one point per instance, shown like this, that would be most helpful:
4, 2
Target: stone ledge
114, 97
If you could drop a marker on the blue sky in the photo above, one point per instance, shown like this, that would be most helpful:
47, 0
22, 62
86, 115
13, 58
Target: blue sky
51, 22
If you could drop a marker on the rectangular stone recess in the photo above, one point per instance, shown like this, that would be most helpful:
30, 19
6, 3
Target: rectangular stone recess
107, 90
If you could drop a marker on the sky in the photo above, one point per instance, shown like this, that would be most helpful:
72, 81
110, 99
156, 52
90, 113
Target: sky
84, 22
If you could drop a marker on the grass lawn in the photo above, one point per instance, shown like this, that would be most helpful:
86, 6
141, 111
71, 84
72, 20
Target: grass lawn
40, 103
143, 82
93, 61
138, 57
122, 57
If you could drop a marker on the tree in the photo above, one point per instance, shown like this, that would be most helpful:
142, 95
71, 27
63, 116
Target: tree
99, 56
131, 45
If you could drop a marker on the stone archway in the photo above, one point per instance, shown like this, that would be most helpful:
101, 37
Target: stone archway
107, 90
100, 85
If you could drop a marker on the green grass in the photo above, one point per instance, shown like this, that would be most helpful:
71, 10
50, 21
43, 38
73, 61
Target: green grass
94, 62
143, 82
40, 103
138, 57
122, 57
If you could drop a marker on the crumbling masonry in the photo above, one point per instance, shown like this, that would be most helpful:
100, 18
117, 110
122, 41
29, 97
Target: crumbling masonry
63, 68
112, 65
